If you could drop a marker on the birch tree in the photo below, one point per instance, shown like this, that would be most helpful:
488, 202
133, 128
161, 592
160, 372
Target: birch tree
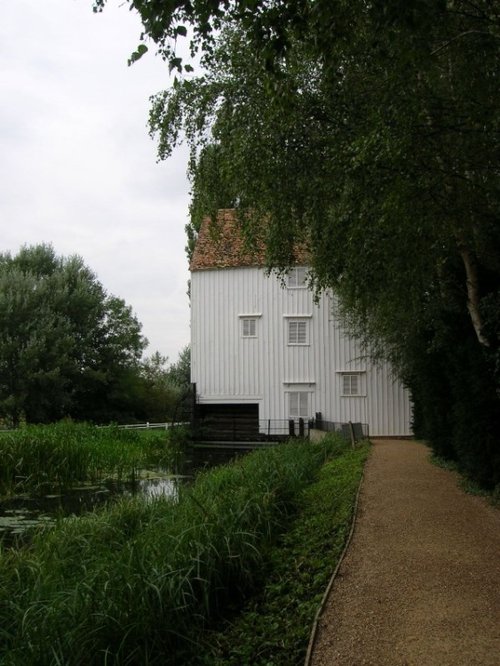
369, 132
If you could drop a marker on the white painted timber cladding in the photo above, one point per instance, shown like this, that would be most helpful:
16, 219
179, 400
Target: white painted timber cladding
229, 368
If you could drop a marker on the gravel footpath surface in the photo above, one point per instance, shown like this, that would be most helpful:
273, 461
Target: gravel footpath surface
420, 583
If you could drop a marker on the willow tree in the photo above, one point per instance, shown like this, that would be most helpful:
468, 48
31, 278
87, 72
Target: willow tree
368, 131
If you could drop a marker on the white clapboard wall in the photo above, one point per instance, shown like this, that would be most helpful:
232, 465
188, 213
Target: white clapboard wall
264, 369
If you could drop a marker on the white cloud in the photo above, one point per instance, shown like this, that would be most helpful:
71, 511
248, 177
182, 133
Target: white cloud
78, 168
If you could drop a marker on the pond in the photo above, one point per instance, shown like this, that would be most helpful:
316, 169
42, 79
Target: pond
20, 513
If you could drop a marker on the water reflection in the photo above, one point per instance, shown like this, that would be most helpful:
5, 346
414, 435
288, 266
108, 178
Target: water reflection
154, 488
21, 513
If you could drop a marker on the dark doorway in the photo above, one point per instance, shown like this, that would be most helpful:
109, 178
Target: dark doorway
228, 422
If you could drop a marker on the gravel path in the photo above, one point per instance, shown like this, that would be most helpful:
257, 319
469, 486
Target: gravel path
420, 583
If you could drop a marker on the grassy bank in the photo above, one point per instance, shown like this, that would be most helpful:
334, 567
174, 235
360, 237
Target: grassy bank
274, 627
137, 583
65, 453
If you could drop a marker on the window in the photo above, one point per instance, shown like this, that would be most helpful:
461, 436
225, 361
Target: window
350, 385
298, 404
249, 328
296, 277
297, 332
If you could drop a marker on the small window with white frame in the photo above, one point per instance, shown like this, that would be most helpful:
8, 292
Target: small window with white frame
351, 384
248, 327
298, 332
298, 404
297, 278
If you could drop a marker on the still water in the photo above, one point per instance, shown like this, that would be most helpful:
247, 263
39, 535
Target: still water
18, 514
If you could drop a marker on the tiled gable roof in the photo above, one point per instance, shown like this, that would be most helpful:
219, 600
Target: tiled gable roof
221, 245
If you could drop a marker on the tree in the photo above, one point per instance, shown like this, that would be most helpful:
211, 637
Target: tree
159, 395
167, 388
367, 131
179, 373
66, 347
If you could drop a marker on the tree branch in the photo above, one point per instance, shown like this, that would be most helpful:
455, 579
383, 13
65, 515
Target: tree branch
462, 34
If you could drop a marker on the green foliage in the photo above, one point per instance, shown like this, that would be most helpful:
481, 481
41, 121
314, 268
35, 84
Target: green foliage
136, 583
66, 347
179, 373
340, 150
66, 453
470, 487
274, 626
456, 404
368, 132
167, 388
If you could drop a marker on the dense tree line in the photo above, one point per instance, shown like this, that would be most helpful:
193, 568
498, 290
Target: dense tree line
69, 349
166, 387
369, 132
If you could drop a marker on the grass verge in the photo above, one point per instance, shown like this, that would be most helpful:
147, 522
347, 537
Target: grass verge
466, 484
274, 627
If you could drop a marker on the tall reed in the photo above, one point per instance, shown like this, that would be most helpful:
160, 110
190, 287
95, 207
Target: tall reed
66, 452
136, 583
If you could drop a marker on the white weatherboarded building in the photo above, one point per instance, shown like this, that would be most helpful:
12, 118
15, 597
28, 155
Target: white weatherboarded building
266, 350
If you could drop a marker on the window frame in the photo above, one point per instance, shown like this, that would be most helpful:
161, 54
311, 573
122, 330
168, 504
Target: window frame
252, 321
301, 413
294, 282
296, 323
347, 384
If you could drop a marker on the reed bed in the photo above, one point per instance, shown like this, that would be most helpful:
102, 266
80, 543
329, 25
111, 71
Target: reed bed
65, 453
138, 582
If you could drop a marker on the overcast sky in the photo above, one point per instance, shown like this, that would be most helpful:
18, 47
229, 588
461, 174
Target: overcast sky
77, 167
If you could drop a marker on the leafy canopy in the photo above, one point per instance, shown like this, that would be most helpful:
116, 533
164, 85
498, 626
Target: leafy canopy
67, 348
368, 131
374, 134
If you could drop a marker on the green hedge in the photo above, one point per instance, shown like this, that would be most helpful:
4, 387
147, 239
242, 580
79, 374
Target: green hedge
457, 407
